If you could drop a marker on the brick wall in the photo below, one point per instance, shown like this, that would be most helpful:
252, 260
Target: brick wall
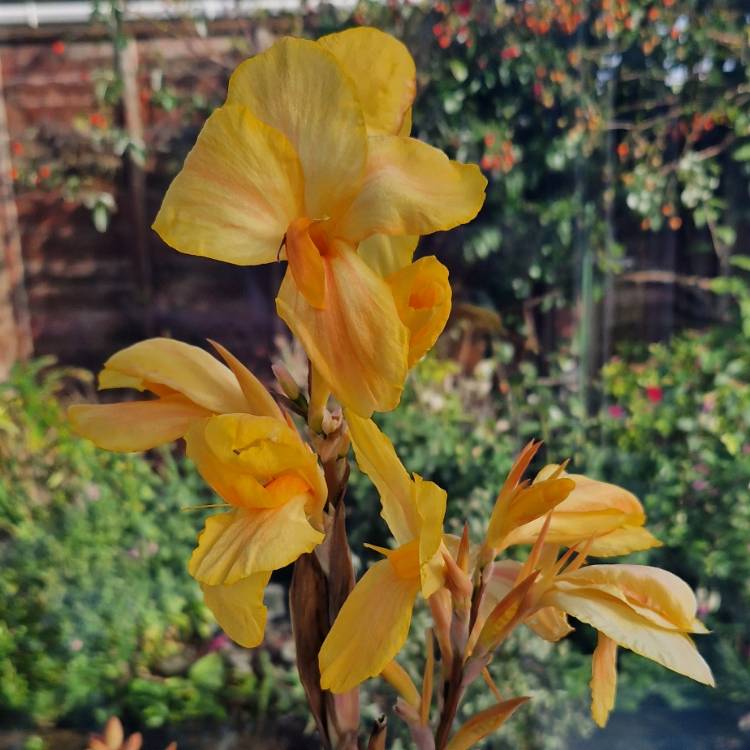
90, 293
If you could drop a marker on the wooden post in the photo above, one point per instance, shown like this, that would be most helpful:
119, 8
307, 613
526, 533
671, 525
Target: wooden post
16, 341
126, 67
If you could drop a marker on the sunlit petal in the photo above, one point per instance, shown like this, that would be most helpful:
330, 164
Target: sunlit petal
383, 73
606, 512
483, 724
135, 425
377, 458
370, 629
306, 263
593, 495
240, 454
411, 188
550, 623
670, 648
623, 541
603, 679
386, 255
524, 507
238, 190
357, 343
239, 608
237, 544
423, 300
178, 367
654, 593
259, 400
300, 89
430, 501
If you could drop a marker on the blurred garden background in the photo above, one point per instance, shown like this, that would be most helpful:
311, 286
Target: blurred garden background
601, 303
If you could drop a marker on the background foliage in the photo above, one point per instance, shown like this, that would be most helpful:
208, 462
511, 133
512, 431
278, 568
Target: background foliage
97, 611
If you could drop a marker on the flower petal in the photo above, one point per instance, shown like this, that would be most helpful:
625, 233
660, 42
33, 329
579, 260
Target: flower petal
484, 723
237, 544
306, 263
383, 72
593, 509
549, 623
526, 506
377, 458
177, 367
357, 343
114, 735
401, 682
237, 192
386, 255
135, 425
430, 501
259, 401
670, 648
239, 608
423, 300
593, 495
240, 454
654, 593
603, 679
370, 629
504, 577
623, 541
300, 89
411, 188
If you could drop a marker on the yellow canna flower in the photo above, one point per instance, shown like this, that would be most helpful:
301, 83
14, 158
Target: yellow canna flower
243, 446
647, 610
308, 158
609, 516
373, 624
519, 503
189, 384
276, 490
644, 609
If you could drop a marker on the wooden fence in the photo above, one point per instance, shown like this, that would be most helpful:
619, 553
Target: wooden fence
72, 291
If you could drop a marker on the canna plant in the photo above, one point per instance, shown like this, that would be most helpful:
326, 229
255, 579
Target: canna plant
309, 162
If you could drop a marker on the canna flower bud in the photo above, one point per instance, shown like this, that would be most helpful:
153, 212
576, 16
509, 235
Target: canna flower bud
286, 381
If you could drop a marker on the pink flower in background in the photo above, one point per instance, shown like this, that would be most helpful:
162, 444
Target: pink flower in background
58, 48
217, 643
616, 411
654, 394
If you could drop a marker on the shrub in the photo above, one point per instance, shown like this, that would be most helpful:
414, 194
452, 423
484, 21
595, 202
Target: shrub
98, 614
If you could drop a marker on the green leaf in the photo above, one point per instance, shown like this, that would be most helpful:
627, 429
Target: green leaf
742, 153
208, 672
459, 70
741, 261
